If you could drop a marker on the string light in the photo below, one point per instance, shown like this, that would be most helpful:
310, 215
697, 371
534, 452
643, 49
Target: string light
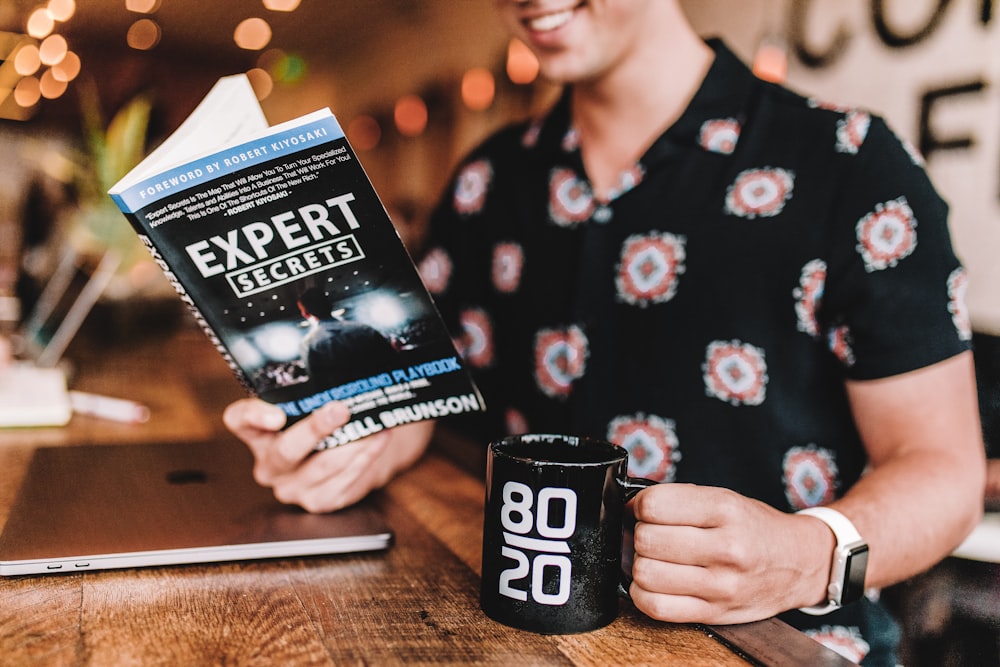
143, 35
40, 23
364, 133
252, 34
68, 68
281, 5
478, 88
61, 10
52, 50
261, 81
410, 115
142, 6
522, 65
27, 92
27, 61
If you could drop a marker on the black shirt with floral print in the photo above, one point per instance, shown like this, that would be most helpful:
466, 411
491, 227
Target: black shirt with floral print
765, 249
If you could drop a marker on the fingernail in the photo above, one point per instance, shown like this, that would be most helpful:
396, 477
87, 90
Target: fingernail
274, 418
334, 413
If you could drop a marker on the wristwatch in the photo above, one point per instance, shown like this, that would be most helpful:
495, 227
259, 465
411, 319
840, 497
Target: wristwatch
850, 561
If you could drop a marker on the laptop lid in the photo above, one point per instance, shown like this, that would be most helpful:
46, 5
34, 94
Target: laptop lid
121, 506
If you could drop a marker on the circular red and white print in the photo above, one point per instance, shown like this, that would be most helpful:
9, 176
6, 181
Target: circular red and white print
627, 180
735, 372
571, 140
852, 130
808, 296
560, 358
829, 106
719, 135
530, 137
477, 347
570, 199
508, 262
958, 284
810, 476
649, 268
472, 185
760, 192
887, 235
651, 443
839, 342
435, 270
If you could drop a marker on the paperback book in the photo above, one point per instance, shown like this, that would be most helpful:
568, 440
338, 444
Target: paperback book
276, 240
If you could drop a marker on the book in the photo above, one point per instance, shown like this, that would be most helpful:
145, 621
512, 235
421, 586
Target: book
276, 240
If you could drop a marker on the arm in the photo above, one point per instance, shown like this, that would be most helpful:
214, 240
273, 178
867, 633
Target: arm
925, 490
709, 555
327, 480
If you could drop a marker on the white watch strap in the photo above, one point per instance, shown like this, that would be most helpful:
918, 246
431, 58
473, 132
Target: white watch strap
845, 534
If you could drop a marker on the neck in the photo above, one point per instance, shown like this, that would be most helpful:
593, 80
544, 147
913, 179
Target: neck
620, 113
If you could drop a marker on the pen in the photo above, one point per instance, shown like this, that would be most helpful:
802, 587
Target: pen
117, 409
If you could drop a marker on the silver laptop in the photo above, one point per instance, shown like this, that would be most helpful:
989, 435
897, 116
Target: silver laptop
122, 506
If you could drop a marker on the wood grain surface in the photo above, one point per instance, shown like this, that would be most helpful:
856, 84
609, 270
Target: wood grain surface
416, 603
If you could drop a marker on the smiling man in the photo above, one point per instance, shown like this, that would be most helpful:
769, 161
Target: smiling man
752, 291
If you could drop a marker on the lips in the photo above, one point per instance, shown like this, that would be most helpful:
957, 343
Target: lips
552, 20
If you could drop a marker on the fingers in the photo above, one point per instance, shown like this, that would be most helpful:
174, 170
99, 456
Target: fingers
686, 505
334, 478
259, 425
710, 555
321, 481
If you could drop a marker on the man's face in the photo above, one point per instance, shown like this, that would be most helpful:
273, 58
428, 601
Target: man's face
576, 40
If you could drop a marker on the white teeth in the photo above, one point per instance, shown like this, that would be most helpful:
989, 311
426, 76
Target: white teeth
551, 21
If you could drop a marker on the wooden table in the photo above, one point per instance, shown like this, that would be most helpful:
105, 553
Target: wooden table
416, 603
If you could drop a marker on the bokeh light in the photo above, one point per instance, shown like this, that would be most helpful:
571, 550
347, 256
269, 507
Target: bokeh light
142, 6
27, 61
252, 34
143, 35
364, 133
27, 92
40, 23
261, 81
410, 115
522, 65
68, 68
281, 5
50, 86
52, 49
478, 88
61, 10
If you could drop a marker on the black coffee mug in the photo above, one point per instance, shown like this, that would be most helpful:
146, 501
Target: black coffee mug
552, 532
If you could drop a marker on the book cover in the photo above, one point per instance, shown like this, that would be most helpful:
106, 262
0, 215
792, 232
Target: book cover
277, 241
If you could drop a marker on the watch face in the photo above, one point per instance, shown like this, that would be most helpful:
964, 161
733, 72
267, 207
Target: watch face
854, 574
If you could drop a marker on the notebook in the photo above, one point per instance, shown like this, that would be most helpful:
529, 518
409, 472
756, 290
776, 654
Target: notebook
33, 392
99, 507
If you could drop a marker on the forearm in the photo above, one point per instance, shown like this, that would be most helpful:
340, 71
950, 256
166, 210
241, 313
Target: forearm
925, 489
913, 511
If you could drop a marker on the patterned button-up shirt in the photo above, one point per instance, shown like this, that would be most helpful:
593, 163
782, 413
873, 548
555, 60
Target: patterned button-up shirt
705, 315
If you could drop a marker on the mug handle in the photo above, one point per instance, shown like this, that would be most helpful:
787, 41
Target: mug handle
630, 486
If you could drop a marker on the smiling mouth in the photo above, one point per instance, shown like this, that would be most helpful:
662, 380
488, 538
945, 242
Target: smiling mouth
553, 21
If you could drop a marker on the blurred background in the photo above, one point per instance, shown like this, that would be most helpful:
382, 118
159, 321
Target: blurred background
417, 82
87, 87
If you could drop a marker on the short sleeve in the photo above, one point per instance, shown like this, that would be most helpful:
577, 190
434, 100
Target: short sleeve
895, 293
